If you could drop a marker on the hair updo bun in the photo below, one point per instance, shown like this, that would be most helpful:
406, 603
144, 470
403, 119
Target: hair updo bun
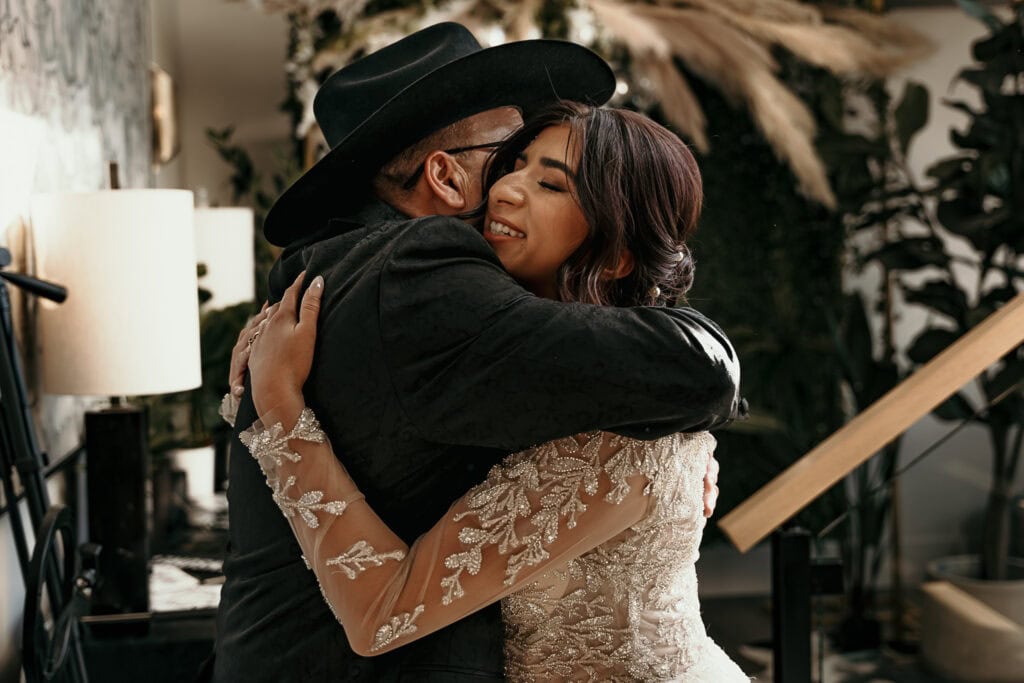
674, 280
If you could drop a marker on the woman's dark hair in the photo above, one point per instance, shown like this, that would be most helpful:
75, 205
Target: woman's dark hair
639, 188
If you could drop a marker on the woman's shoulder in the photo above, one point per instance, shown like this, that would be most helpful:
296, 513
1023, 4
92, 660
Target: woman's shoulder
596, 454
437, 231
600, 446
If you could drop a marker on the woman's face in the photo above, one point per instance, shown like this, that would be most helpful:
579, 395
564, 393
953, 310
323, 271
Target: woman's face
533, 221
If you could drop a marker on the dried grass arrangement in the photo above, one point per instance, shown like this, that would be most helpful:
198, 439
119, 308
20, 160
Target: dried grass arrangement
727, 43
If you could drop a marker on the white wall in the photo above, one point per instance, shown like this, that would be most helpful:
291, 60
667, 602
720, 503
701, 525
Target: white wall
227, 61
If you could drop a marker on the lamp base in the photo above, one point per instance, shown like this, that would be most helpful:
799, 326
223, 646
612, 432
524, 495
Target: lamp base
118, 480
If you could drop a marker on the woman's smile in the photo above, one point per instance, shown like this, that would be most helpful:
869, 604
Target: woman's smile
534, 222
500, 229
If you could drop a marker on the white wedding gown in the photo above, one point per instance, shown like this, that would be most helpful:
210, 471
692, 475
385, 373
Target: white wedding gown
590, 541
628, 609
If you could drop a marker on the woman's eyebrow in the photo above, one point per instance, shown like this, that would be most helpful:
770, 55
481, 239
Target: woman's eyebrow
548, 162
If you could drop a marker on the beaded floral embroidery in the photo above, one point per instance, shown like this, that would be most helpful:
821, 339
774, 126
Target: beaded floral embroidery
270, 449
361, 556
400, 625
627, 610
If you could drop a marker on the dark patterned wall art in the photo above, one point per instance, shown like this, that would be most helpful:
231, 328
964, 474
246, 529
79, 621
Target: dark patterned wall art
79, 69
74, 95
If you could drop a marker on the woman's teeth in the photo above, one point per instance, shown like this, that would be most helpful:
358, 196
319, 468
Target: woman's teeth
497, 228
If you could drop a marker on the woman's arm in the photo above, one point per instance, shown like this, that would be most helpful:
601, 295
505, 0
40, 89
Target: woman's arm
534, 512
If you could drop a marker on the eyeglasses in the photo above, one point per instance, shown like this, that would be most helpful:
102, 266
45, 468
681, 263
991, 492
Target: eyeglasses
411, 181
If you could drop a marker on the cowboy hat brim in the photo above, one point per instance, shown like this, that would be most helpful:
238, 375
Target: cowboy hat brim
525, 74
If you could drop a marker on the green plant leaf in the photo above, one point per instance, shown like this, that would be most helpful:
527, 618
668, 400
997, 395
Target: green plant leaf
984, 134
873, 219
929, 344
1011, 374
947, 169
961, 216
882, 377
941, 296
843, 145
995, 46
997, 296
981, 13
954, 408
987, 80
856, 345
961, 106
911, 113
995, 169
911, 253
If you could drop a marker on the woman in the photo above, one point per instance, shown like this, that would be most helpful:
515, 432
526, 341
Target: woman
590, 540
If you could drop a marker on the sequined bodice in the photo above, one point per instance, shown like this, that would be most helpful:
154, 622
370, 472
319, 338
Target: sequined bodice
628, 609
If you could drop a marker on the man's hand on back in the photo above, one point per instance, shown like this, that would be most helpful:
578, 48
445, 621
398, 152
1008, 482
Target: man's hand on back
711, 486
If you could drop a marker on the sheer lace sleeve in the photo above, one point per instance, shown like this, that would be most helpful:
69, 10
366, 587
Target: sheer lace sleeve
538, 509
228, 409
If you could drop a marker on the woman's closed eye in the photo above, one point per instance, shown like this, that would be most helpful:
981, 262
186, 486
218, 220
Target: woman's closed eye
549, 184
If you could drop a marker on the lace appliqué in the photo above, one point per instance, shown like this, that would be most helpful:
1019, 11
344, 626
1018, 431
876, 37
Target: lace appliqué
627, 610
228, 409
360, 557
558, 474
400, 625
269, 447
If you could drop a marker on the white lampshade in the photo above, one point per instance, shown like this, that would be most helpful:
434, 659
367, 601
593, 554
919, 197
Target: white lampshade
224, 245
130, 325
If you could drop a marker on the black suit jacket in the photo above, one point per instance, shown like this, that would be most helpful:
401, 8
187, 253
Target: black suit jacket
431, 363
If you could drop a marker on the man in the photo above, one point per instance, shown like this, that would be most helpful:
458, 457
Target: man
431, 361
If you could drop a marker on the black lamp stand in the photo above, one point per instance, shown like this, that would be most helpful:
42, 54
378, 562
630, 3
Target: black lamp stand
117, 453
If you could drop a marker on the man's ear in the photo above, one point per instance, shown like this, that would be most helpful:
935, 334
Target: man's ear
447, 180
623, 268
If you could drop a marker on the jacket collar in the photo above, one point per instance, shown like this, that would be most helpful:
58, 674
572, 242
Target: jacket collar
370, 213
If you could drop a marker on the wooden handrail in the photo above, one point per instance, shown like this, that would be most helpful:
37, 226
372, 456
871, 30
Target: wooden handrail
878, 425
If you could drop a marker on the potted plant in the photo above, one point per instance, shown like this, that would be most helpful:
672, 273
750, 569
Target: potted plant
979, 194
966, 243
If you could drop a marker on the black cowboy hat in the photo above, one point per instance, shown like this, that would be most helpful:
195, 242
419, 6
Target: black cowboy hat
375, 107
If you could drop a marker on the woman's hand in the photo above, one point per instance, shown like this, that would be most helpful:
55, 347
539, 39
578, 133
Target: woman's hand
240, 353
281, 350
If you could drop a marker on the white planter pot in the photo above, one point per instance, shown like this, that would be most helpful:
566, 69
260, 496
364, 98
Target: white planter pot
973, 630
1005, 597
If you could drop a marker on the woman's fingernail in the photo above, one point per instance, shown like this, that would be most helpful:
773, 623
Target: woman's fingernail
318, 282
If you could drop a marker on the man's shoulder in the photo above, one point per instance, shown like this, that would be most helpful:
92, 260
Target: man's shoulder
383, 238
432, 242
396, 248
438, 231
